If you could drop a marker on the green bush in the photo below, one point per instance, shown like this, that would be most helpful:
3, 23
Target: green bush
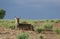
52, 20
48, 27
57, 31
38, 29
2, 13
12, 27
47, 20
57, 21
22, 36
41, 37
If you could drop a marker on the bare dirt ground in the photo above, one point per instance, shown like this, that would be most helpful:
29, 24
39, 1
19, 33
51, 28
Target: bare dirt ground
57, 25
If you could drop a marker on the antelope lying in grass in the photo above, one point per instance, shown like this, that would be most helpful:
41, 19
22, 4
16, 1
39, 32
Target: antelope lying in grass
23, 26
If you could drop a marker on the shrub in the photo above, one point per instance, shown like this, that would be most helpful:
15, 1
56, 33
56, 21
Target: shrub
47, 20
48, 27
38, 29
57, 21
41, 37
12, 27
52, 20
22, 36
57, 31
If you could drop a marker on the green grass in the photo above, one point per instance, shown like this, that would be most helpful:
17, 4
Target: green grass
7, 23
22, 36
39, 29
48, 27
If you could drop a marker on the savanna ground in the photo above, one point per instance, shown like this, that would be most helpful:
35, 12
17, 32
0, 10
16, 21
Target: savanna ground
7, 30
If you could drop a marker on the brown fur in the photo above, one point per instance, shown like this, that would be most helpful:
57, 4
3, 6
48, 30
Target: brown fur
25, 26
